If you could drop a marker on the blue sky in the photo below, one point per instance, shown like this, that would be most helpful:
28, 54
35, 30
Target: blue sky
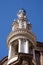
8, 12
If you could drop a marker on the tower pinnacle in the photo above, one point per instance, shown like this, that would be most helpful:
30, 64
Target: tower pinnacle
21, 13
21, 40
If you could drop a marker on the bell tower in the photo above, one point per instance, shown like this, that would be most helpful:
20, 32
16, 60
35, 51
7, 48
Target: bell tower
21, 41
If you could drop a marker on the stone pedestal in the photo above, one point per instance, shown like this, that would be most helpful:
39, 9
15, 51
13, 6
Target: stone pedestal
25, 59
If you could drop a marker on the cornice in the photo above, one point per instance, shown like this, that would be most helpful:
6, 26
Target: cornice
22, 33
4, 59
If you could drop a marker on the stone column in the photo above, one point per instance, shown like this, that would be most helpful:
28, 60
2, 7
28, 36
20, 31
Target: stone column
33, 54
27, 47
11, 51
9, 54
19, 46
41, 58
34, 60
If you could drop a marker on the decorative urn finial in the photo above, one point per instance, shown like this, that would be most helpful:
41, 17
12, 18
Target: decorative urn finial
21, 13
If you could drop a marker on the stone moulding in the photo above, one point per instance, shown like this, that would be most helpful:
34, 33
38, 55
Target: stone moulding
21, 33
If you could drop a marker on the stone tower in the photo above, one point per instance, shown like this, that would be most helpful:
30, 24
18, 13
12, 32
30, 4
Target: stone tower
21, 41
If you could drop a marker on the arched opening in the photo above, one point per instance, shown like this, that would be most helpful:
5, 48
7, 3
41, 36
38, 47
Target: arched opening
15, 47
